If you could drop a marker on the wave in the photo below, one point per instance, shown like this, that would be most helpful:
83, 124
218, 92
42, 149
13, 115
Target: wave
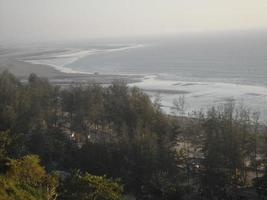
201, 95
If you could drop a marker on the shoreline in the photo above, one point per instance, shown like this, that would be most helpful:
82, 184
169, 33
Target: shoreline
198, 95
22, 70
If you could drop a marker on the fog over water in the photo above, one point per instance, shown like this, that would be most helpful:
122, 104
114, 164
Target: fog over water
39, 20
208, 70
210, 50
230, 59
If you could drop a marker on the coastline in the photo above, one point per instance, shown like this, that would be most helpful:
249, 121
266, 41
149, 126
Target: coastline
23, 69
198, 95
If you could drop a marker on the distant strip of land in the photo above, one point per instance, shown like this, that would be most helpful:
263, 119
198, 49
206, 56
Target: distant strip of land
11, 61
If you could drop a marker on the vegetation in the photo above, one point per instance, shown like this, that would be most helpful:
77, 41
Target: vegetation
89, 187
95, 142
26, 179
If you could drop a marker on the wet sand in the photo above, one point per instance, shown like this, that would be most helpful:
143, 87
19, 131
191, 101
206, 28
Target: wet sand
22, 70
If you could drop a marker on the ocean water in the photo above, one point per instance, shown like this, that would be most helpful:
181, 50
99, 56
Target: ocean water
237, 60
206, 70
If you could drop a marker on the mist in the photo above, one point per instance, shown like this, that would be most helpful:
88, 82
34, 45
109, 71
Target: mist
38, 20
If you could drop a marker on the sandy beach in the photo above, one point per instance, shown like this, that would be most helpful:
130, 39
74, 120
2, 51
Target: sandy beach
12, 62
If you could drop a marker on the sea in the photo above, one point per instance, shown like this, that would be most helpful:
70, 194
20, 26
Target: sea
205, 70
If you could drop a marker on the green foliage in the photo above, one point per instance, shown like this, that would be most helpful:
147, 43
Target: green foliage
228, 146
9, 92
166, 186
89, 187
4, 142
118, 131
26, 179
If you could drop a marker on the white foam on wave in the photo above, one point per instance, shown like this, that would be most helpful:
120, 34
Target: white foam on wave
202, 95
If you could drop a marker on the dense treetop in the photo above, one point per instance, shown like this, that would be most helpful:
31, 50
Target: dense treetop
89, 141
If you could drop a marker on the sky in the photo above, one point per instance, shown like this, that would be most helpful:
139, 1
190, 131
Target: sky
32, 20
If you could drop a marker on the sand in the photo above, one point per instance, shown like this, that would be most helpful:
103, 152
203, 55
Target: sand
12, 63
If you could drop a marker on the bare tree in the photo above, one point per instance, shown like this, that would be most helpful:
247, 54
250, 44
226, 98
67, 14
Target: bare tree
179, 105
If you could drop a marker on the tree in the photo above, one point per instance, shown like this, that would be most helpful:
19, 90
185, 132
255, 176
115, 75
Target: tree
26, 179
229, 145
89, 187
9, 92
4, 142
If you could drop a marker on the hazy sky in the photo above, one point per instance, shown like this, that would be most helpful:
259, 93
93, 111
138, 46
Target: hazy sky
70, 19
